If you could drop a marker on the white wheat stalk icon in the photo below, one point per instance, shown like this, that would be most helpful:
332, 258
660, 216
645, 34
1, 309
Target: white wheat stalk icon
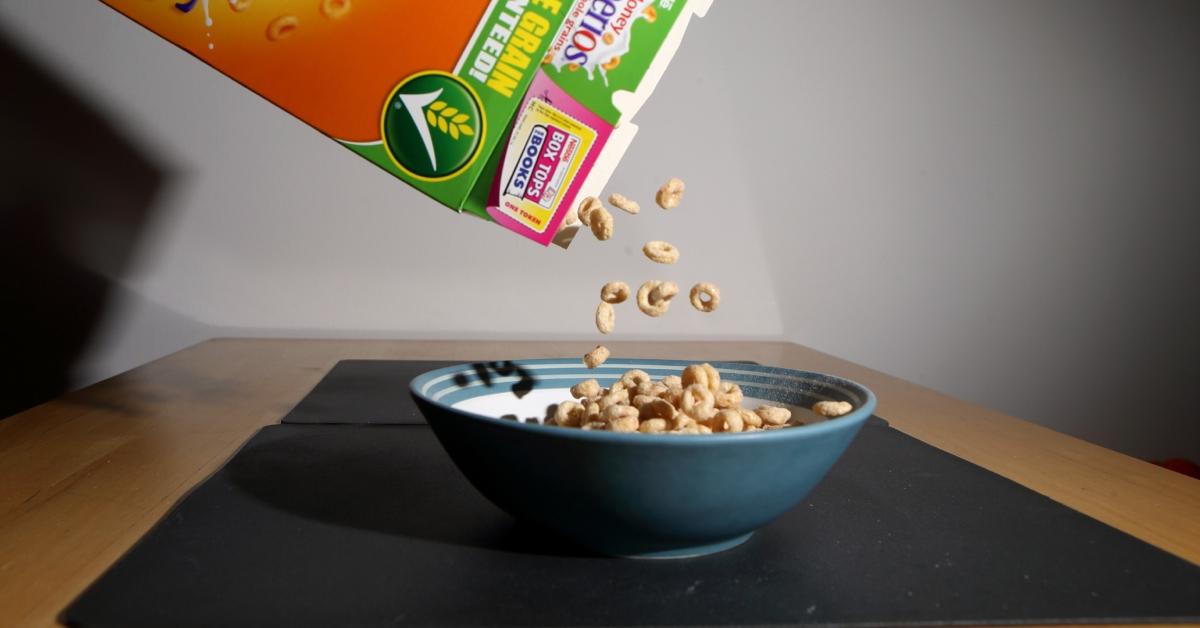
444, 118
415, 103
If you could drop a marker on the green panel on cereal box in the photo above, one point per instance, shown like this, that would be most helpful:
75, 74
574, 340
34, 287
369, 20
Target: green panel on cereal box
608, 52
440, 130
499, 65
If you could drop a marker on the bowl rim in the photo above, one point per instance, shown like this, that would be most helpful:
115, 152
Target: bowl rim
857, 416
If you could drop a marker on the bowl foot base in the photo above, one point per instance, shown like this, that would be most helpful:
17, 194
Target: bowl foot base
694, 550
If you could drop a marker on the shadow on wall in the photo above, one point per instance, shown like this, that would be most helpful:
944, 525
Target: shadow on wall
75, 197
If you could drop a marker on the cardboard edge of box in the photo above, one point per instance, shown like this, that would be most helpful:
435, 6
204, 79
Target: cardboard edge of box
629, 103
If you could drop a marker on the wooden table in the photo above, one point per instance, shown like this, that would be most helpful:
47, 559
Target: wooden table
83, 477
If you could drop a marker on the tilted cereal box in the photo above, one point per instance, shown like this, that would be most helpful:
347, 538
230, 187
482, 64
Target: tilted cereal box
508, 110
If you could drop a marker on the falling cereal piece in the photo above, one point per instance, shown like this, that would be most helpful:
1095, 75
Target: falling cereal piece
605, 318
596, 356
661, 251
663, 293
601, 223
654, 297
669, 195
588, 205
705, 296
624, 204
239, 5
570, 217
614, 292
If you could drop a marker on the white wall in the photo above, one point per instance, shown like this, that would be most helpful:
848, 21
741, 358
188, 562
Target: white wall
992, 199
996, 199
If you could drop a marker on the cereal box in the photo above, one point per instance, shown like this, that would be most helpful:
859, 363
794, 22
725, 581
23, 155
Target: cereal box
508, 110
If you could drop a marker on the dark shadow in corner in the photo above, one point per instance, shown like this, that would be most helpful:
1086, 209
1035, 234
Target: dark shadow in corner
75, 199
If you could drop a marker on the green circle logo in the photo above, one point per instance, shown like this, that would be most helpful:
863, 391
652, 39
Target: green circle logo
433, 125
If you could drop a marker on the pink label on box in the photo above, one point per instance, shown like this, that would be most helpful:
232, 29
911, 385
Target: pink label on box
551, 150
549, 162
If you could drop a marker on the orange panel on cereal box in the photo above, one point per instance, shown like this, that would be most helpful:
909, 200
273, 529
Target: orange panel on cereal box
331, 63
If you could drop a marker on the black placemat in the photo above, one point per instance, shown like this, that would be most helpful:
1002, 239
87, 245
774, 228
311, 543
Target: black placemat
374, 526
319, 525
364, 391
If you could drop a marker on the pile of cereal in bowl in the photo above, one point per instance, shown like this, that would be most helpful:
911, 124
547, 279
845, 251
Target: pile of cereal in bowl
694, 402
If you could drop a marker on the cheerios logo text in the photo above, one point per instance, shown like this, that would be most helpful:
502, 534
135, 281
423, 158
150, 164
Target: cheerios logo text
601, 16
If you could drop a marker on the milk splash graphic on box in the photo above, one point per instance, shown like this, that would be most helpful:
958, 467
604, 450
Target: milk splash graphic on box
508, 110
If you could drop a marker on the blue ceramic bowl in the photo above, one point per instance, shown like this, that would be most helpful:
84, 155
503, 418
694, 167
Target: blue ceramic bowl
635, 495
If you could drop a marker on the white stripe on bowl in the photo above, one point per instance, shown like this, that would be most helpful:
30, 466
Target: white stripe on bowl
661, 366
572, 376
